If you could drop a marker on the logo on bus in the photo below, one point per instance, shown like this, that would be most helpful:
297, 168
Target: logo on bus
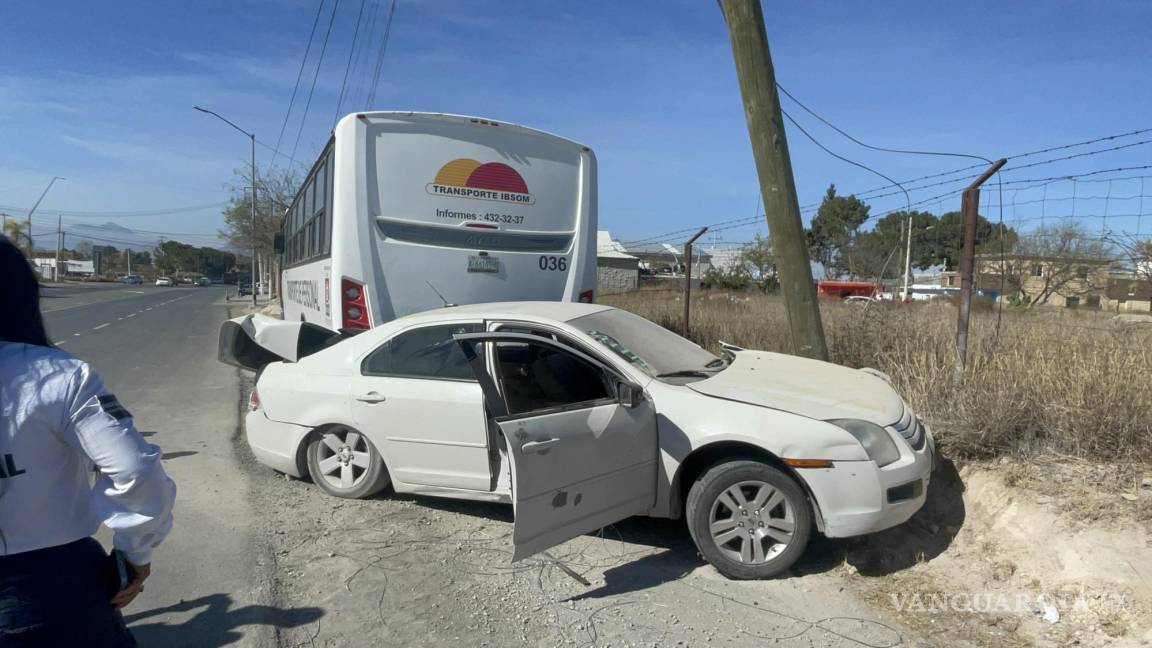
467, 178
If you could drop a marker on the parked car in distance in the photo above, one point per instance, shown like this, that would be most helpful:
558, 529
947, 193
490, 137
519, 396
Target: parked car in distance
580, 415
132, 280
165, 281
244, 289
203, 281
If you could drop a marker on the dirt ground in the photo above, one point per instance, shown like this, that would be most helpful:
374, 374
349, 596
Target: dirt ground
399, 571
1019, 554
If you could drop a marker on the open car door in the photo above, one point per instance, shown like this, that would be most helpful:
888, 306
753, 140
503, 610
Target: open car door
581, 439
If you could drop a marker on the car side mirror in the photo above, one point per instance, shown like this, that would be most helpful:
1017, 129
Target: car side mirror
629, 394
278, 242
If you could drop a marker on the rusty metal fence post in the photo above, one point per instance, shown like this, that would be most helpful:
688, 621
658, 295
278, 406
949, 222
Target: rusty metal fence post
688, 277
969, 210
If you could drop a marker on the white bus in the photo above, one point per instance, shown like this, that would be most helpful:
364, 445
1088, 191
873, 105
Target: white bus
406, 212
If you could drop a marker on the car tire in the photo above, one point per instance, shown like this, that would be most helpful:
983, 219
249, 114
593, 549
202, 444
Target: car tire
343, 462
740, 541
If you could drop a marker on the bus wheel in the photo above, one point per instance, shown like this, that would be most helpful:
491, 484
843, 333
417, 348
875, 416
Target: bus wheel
343, 463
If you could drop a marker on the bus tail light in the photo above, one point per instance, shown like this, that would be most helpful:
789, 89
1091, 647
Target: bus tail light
586, 297
353, 305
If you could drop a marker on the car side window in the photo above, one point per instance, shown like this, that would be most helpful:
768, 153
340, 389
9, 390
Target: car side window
426, 352
538, 376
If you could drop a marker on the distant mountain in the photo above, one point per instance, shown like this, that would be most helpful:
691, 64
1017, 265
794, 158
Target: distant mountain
121, 237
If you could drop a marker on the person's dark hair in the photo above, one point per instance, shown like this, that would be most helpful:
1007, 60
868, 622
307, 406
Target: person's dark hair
19, 298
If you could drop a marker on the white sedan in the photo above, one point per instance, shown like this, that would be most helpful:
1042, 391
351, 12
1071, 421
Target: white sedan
581, 415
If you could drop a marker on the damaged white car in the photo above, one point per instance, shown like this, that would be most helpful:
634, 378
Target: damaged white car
581, 415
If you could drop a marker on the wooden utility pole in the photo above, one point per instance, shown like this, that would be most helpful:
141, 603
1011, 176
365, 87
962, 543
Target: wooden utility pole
688, 276
774, 168
969, 211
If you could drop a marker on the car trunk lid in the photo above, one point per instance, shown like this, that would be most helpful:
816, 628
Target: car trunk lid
253, 341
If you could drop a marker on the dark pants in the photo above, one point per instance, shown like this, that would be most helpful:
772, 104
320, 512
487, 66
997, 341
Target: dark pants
59, 597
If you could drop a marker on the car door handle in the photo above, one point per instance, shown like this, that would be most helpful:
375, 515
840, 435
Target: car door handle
371, 397
539, 446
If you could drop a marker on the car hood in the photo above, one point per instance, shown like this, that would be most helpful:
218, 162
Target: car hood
811, 388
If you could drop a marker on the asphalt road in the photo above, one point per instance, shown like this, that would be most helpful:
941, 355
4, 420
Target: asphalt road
155, 349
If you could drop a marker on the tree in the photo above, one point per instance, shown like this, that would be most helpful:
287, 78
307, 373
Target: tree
1137, 254
176, 258
16, 232
949, 238
276, 188
759, 262
833, 229
1054, 260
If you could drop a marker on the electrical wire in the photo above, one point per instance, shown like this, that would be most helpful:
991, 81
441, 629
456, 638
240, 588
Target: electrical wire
380, 56
315, 75
124, 214
870, 146
360, 65
348, 65
299, 76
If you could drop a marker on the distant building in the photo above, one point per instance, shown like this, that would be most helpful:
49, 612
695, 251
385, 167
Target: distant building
1063, 282
616, 270
46, 267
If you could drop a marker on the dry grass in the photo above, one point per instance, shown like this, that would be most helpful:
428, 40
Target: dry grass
1051, 382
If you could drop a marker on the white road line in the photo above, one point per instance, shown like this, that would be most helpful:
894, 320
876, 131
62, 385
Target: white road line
130, 315
97, 328
148, 309
75, 335
59, 342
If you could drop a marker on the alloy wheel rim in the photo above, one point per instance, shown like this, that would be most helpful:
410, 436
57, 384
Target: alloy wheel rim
752, 522
343, 459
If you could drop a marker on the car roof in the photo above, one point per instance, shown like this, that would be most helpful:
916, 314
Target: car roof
558, 311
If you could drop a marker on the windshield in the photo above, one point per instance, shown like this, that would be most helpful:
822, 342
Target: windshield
649, 347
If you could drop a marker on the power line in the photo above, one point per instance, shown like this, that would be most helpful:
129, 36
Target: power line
865, 193
315, 75
124, 214
299, 76
348, 65
380, 56
869, 146
360, 66
844, 159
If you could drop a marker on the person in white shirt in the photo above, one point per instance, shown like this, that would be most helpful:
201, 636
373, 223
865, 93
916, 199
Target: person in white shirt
58, 424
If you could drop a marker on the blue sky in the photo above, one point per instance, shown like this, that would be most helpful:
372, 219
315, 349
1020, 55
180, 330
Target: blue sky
102, 94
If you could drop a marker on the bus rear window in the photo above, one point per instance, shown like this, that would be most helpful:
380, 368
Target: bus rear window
473, 238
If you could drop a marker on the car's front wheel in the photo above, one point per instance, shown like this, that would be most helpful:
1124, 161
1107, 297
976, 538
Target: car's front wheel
344, 463
750, 520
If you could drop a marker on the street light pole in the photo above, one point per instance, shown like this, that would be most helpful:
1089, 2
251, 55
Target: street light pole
908, 261
251, 136
33, 210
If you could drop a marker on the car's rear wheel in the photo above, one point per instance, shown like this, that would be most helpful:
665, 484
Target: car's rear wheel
343, 462
750, 520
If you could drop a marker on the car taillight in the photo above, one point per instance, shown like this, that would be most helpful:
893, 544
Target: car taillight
586, 297
353, 304
253, 400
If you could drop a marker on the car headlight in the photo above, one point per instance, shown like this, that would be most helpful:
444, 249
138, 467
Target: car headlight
875, 439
